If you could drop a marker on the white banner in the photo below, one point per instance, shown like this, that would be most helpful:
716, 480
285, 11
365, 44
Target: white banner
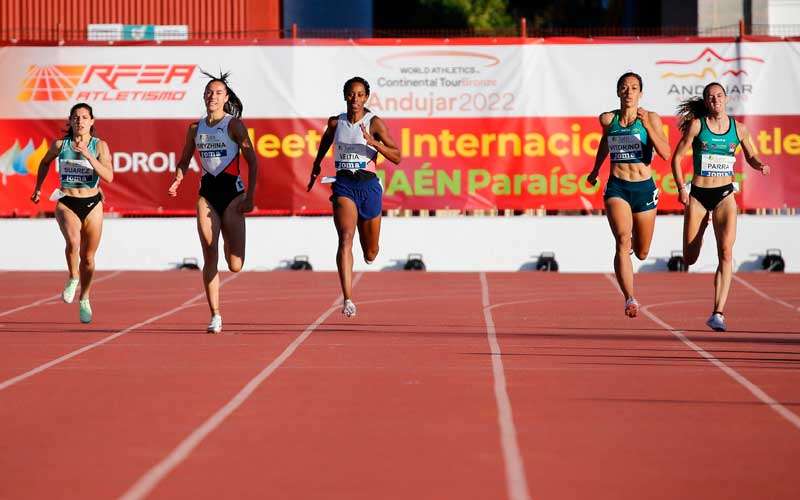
416, 81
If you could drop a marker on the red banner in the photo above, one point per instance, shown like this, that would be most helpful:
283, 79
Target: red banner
464, 164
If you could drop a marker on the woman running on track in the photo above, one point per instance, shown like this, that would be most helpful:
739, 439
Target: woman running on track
630, 134
219, 137
83, 160
359, 136
713, 137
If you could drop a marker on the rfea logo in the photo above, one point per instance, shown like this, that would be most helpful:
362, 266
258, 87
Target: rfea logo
50, 83
107, 82
22, 160
691, 75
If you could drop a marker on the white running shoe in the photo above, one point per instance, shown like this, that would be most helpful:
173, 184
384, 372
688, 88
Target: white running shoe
69, 290
631, 308
349, 309
215, 325
85, 311
717, 322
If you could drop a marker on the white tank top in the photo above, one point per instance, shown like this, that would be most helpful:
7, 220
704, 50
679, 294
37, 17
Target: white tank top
217, 150
352, 152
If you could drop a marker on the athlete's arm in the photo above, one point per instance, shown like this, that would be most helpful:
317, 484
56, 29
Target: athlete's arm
102, 164
239, 134
186, 157
680, 151
655, 130
602, 148
44, 167
750, 153
379, 138
324, 145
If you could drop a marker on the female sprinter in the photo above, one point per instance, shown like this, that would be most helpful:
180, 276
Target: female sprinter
713, 137
630, 134
223, 201
83, 160
359, 136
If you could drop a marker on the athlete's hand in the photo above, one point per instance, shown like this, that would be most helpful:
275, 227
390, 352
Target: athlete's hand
764, 169
81, 148
643, 115
683, 196
173, 188
246, 205
592, 179
314, 174
36, 196
367, 136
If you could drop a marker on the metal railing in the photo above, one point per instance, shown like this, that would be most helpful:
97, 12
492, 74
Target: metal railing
27, 34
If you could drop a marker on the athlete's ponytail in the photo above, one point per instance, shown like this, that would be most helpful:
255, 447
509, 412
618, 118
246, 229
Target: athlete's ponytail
694, 107
234, 105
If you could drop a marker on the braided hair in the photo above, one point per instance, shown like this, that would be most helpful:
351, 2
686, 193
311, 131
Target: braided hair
234, 105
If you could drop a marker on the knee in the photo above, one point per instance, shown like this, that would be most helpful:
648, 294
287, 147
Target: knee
346, 239
371, 254
235, 265
726, 254
73, 245
642, 254
624, 241
87, 261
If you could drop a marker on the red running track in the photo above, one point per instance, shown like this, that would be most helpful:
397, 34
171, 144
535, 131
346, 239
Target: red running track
504, 385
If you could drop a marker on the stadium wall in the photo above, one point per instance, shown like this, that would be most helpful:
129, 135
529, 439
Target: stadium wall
52, 20
581, 244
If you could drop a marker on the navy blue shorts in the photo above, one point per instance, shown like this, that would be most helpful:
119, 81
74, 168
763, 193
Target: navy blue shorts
364, 189
640, 195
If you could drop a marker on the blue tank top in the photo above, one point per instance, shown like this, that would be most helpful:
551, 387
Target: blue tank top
714, 154
628, 144
74, 170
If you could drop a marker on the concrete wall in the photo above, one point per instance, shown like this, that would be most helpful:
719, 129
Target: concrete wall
581, 244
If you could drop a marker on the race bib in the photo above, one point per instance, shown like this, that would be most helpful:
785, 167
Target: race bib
716, 165
625, 147
75, 171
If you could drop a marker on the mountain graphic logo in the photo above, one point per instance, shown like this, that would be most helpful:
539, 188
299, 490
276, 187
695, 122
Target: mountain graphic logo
707, 65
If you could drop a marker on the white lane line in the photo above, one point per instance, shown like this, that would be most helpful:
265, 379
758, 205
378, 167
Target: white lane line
19, 378
738, 377
57, 296
145, 484
764, 295
516, 481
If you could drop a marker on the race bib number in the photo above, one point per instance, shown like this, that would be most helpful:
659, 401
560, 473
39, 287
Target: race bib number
625, 147
79, 170
716, 165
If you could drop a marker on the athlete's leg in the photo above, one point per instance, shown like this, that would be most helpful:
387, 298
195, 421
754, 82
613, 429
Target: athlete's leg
70, 226
369, 232
695, 221
724, 220
233, 235
345, 218
208, 228
643, 225
621, 220
90, 239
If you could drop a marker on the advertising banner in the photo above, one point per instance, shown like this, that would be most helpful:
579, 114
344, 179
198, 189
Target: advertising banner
501, 126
